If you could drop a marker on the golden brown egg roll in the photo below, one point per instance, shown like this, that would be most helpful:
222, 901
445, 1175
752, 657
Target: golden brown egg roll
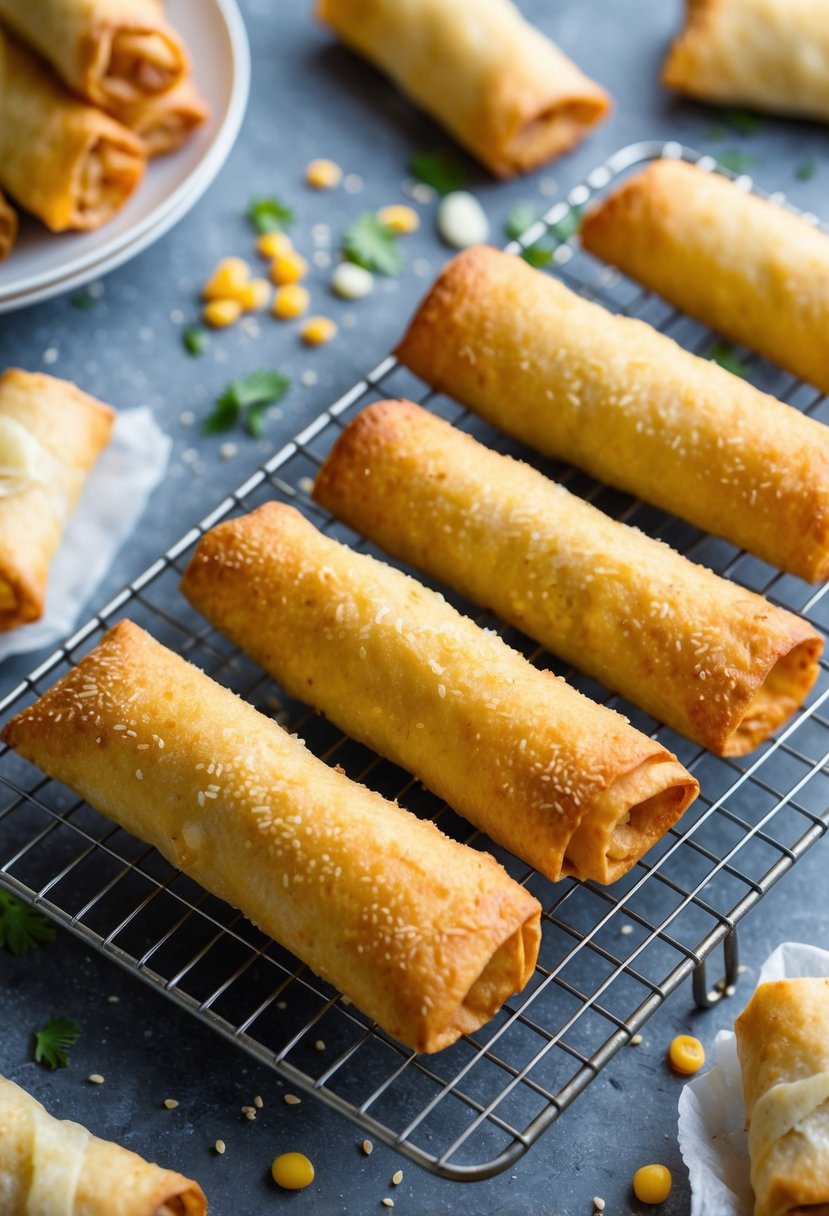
67, 162
52, 1167
615, 397
783, 1045
164, 123
425, 935
710, 659
744, 266
111, 52
768, 54
51, 434
8, 227
565, 784
504, 90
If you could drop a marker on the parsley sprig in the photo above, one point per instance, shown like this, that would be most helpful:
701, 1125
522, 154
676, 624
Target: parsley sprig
270, 215
373, 245
22, 928
249, 397
53, 1040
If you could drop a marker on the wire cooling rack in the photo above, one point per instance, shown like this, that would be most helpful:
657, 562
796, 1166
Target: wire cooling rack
470, 1111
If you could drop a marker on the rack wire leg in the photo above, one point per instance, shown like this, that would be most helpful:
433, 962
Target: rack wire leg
704, 996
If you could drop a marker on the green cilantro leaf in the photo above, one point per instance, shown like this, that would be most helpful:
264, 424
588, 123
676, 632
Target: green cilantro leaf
569, 225
22, 928
251, 395
806, 170
195, 339
724, 354
538, 255
83, 300
439, 170
373, 245
735, 160
53, 1040
519, 218
270, 215
742, 121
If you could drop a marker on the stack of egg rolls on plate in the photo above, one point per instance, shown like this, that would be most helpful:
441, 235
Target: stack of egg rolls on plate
89, 89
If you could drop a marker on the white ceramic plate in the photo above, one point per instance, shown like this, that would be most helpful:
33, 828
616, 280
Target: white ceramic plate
44, 264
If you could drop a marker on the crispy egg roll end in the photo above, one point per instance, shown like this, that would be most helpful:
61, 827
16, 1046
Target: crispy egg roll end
780, 695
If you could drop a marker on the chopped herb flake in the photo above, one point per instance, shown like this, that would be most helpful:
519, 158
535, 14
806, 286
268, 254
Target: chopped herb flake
195, 339
22, 928
270, 215
735, 160
744, 122
724, 354
250, 396
83, 300
373, 245
806, 170
568, 226
538, 255
521, 217
440, 170
53, 1040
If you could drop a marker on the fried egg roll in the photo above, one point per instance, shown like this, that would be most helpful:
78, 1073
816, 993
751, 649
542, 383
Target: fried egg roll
565, 784
8, 227
51, 434
52, 1167
425, 935
65, 161
783, 1045
710, 659
768, 54
164, 123
111, 52
744, 266
497, 84
622, 401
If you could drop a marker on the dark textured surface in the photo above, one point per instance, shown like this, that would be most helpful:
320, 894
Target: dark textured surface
312, 99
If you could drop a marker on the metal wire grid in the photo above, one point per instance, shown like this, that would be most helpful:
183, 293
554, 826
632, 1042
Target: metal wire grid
609, 957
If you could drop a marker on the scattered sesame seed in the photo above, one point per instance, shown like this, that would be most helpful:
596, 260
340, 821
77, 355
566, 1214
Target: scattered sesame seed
352, 183
219, 1147
187, 418
397, 1178
189, 456
319, 1045
742, 969
95, 1078
291, 1100
626, 930
258, 1103
282, 1004
548, 186
636, 1040
177, 316
309, 378
306, 484
598, 1203
50, 355
170, 1103
422, 268
249, 1113
367, 1147
321, 234
228, 450
321, 258
387, 1203
113, 1000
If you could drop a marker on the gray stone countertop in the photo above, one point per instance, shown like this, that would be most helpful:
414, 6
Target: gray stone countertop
311, 98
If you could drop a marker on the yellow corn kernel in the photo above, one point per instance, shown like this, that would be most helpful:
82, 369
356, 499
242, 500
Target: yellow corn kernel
226, 279
400, 218
291, 301
218, 314
686, 1054
253, 295
272, 244
317, 331
323, 174
292, 1171
652, 1183
288, 268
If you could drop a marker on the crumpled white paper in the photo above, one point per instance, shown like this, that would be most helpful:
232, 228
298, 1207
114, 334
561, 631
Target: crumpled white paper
712, 1138
113, 501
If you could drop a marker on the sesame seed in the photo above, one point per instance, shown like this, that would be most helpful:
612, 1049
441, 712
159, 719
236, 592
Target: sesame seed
258, 1103
219, 1146
113, 1000
636, 1040
397, 1178
626, 930
291, 1100
139, 774
95, 1078
598, 1203
319, 1045
170, 1103
249, 1113
387, 1203
367, 1147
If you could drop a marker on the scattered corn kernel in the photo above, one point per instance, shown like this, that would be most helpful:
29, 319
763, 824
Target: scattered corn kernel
288, 268
292, 1171
226, 279
652, 1183
400, 218
170, 1103
323, 174
291, 301
272, 244
317, 331
686, 1054
219, 1146
218, 314
253, 295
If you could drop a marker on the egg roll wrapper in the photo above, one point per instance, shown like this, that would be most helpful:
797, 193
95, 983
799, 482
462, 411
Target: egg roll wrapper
497, 84
165, 123
771, 55
427, 936
715, 662
615, 397
783, 1045
565, 784
67, 162
8, 227
51, 434
110, 52
53, 1167
744, 266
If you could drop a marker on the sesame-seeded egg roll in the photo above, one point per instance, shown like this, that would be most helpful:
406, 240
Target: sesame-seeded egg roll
427, 936
768, 54
51, 434
565, 784
67, 162
783, 1045
8, 227
627, 404
164, 123
709, 658
504, 90
53, 1167
747, 267
111, 52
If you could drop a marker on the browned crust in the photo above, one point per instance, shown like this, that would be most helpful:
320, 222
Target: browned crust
96, 48
679, 68
9, 225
